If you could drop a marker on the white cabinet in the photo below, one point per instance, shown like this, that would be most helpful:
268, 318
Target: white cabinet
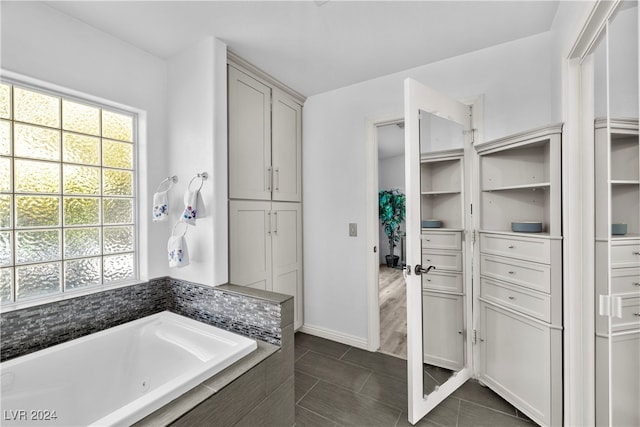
520, 274
265, 183
617, 272
265, 141
441, 187
265, 245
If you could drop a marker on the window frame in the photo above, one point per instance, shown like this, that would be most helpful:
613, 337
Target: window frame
64, 94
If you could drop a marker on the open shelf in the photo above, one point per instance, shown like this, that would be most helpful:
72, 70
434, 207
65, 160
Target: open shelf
534, 187
446, 207
436, 193
521, 167
442, 176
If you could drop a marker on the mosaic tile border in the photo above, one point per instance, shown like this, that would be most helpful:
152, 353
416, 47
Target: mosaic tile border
35, 328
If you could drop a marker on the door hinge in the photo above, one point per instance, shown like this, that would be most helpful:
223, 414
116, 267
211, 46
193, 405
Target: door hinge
473, 237
474, 337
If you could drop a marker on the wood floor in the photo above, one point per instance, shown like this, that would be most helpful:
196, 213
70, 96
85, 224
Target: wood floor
393, 312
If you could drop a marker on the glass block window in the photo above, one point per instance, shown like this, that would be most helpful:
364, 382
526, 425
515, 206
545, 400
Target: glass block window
67, 194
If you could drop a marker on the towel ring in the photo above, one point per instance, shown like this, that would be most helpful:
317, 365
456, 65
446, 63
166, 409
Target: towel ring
203, 176
186, 228
170, 180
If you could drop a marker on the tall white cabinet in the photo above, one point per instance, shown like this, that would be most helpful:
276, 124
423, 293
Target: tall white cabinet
520, 274
441, 187
617, 272
265, 183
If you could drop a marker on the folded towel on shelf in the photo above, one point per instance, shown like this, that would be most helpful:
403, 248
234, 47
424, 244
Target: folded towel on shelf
177, 251
190, 207
160, 206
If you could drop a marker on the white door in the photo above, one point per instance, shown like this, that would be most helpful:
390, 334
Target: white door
418, 101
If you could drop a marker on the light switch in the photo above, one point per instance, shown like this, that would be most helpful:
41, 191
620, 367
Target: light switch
353, 229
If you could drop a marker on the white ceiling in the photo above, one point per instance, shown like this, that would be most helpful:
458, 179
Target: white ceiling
317, 46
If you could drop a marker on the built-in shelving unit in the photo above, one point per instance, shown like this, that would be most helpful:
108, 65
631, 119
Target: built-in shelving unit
441, 175
520, 274
617, 271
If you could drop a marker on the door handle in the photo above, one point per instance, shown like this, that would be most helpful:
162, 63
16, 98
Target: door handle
276, 179
269, 178
275, 217
419, 270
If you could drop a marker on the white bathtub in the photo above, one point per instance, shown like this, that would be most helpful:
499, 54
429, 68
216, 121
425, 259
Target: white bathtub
117, 376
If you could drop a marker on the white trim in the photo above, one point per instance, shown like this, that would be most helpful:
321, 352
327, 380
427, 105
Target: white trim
372, 225
329, 334
578, 217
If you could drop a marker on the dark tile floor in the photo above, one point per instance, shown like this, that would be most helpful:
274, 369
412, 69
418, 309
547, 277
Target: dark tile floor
338, 385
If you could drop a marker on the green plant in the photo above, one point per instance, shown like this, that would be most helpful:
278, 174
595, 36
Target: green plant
391, 209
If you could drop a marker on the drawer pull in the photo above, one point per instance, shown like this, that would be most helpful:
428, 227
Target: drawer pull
428, 240
511, 246
637, 283
512, 298
428, 280
428, 260
637, 253
512, 272
636, 314
460, 332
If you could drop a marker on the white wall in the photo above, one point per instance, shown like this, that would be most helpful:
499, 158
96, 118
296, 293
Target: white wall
515, 79
42, 43
198, 143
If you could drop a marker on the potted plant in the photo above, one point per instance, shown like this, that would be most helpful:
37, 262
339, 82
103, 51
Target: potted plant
391, 209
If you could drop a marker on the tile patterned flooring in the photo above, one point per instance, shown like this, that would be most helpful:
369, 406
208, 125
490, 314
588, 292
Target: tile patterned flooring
338, 385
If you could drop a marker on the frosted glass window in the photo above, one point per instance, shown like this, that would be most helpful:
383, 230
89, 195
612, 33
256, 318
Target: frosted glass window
5, 211
117, 126
67, 194
35, 107
36, 177
37, 211
5, 137
117, 182
37, 280
81, 180
81, 242
6, 284
80, 118
81, 211
37, 246
117, 154
80, 273
80, 149
5, 101
36, 142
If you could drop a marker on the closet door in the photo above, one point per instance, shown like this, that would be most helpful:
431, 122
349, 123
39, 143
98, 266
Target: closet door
250, 174
286, 148
250, 251
287, 254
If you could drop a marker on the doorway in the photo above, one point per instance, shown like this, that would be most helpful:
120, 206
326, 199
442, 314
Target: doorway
392, 299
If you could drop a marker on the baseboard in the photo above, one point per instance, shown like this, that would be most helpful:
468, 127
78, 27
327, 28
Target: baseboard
329, 334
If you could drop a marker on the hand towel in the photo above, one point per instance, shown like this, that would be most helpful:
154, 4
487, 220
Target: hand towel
190, 207
177, 251
160, 206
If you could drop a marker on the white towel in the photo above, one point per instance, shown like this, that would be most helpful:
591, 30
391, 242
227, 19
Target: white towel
160, 206
190, 207
177, 251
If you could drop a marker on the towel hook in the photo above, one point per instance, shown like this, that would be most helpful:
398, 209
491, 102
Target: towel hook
170, 180
186, 228
203, 176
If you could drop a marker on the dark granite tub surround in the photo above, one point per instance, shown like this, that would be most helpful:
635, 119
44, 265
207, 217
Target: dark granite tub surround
31, 329
252, 313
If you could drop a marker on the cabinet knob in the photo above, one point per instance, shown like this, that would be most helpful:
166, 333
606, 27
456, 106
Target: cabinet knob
459, 332
512, 298
511, 246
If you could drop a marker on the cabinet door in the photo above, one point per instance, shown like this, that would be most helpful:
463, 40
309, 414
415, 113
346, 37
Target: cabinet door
516, 361
287, 254
249, 137
250, 256
442, 326
286, 146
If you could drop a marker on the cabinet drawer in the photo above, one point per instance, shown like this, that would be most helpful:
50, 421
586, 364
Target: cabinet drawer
523, 273
625, 280
442, 281
442, 260
625, 253
451, 240
535, 304
530, 249
630, 315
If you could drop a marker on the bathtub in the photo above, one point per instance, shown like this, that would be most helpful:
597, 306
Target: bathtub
117, 376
